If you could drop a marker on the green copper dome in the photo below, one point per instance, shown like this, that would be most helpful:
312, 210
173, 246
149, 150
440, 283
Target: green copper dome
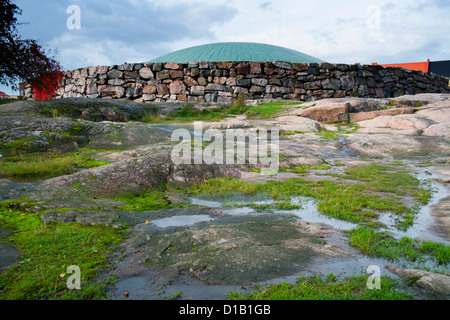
236, 51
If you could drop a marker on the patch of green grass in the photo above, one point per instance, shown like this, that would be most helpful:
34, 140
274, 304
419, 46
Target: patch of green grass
389, 180
43, 164
321, 167
6, 101
187, 114
341, 201
19, 144
338, 164
382, 244
316, 288
382, 189
424, 165
149, 200
48, 250
279, 205
212, 114
261, 111
177, 295
328, 135
300, 169
293, 133
265, 111
392, 183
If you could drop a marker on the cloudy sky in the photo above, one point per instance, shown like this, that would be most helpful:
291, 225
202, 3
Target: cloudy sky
346, 31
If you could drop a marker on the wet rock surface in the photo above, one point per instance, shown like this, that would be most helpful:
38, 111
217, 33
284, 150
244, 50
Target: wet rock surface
8, 254
232, 250
425, 283
206, 251
91, 109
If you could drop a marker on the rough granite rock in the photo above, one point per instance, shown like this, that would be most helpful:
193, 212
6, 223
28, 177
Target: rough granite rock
84, 217
131, 176
435, 284
339, 109
400, 122
91, 109
31, 133
325, 112
437, 112
361, 116
299, 124
402, 146
438, 130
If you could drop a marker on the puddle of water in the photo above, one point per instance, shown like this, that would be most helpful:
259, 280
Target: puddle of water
308, 211
169, 128
238, 211
355, 264
8, 254
422, 227
206, 203
10, 189
142, 288
181, 221
340, 267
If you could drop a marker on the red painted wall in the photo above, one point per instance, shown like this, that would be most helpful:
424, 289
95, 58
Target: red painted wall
420, 66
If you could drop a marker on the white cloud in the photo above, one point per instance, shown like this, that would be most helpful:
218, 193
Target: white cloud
337, 31
137, 30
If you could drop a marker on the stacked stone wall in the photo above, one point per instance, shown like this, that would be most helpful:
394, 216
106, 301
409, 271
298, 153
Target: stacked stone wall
222, 82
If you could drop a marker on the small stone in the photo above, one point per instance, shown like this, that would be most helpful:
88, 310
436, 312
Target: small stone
347, 82
172, 66
115, 74
176, 87
146, 73
149, 89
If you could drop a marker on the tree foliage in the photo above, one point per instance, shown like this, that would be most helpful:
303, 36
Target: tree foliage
22, 60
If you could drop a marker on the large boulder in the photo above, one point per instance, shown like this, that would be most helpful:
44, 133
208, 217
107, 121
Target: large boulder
398, 146
132, 176
438, 113
30, 133
438, 130
420, 99
400, 122
325, 112
389, 131
297, 124
361, 116
339, 109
